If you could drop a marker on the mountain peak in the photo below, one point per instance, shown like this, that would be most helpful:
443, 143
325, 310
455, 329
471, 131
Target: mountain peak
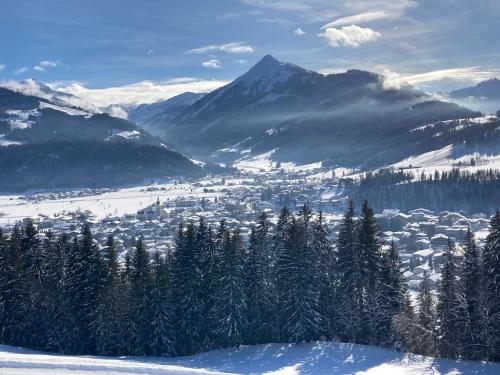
268, 72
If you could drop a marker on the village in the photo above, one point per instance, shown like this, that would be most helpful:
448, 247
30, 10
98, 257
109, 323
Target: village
421, 235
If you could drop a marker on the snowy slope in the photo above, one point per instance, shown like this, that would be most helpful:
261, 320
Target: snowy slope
318, 358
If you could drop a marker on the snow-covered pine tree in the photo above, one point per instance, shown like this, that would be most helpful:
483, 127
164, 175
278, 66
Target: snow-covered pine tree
404, 326
107, 329
187, 280
55, 293
368, 244
349, 280
230, 312
163, 338
472, 319
391, 293
207, 262
425, 330
278, 256
449, 307
83, 282
323, 263
141, 283
300, 283
258, 281
491, 266
12, 290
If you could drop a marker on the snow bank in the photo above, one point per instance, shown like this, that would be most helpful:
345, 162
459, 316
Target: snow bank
316, 358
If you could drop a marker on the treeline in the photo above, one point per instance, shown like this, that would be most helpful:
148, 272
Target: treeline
288, 284
453, 190
93, 164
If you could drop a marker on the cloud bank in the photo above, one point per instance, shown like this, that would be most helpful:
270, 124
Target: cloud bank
137, 93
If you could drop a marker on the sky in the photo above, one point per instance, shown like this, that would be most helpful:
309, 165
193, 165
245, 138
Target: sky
146, 50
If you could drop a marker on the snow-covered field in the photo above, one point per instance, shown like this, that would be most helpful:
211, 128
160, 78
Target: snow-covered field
114, 203
317, 359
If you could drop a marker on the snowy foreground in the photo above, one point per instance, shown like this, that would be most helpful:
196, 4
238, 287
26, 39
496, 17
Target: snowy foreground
319, 358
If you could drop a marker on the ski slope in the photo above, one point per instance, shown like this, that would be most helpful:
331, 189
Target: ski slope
316, 358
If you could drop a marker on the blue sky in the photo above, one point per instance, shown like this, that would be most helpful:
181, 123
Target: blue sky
97, 44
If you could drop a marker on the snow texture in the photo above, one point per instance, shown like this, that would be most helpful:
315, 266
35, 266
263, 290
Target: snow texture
308, 359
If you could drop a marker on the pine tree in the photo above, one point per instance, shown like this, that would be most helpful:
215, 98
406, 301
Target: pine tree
278, 256
55, 293
391, 294
83, 282
230, 312
448, 307
472, 321
207, 263
141, 286
404, 326
12, 291
368, 244
187, 286
257, 284
301, 286
491, 266
349, 280
163, 333
323, 265
425, 330
107, 328
32, 257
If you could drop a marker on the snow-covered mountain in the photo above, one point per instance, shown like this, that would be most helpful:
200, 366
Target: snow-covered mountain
304, 115
489, 89
152, 116
485, 96
26, 118
48, 145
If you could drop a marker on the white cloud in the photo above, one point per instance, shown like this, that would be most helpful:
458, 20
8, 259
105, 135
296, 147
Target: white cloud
235, 47
351, 36
212, 64
323, 10
242, 61
298, 31
472, 74
117, 111
43, 65
21, 70
361, 18
136, 93
2, 67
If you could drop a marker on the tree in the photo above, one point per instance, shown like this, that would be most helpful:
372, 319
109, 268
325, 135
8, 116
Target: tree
448, 307
278, 256
83, 283
425, 338
323, 264
12, 290
349, 280
300, 283
141, 286
472, 321
110, 317
391, 295
370, 260
230, 310
161, 309
258, 279
187, 287
491, 266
